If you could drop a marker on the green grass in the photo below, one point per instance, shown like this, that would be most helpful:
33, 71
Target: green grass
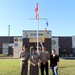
12, 67
67, 67
9, 67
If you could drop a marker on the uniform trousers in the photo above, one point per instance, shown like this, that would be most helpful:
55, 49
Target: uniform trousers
24, 68
34, 70
44, 67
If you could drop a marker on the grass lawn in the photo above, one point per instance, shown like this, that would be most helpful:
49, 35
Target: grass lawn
11, 67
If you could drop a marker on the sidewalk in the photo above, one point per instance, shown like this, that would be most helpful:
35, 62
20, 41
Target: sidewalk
8, 58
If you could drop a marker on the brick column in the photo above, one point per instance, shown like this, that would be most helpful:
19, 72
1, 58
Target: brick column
26, 42
48, 44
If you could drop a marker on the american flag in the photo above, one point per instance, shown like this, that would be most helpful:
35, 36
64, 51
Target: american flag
36, 11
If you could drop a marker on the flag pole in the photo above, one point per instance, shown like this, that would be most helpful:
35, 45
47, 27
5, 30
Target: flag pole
37, 34
37, 31
37, 18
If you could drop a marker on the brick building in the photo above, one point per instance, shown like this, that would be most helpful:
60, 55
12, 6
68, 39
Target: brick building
64, 45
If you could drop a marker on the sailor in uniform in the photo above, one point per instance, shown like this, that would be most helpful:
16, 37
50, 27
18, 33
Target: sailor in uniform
44, 56
24, 56
34, 59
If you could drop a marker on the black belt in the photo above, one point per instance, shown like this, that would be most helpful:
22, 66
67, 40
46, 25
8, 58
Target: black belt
24, 61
